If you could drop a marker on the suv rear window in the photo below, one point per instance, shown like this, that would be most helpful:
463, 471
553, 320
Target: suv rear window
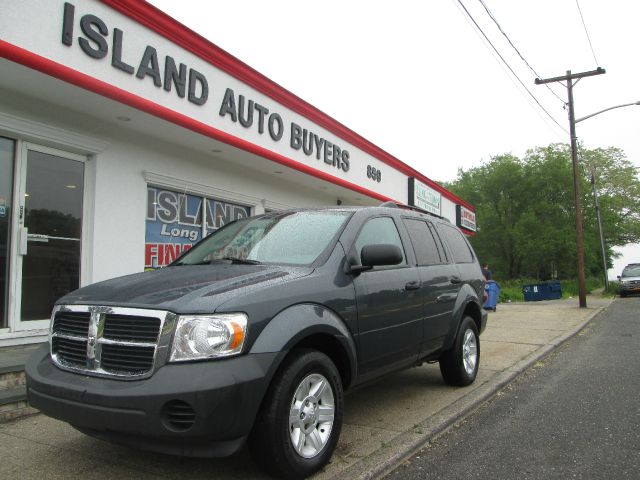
458, 245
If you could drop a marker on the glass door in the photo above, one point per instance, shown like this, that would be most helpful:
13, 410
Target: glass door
50, 233
7, 148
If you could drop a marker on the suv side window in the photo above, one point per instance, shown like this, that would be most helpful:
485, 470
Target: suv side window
458, 245
423, 242
443, 253
379, 230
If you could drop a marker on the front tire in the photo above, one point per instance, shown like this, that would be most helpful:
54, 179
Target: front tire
299, 423
459, 365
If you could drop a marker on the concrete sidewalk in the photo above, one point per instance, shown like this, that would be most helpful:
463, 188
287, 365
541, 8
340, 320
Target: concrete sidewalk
383, 422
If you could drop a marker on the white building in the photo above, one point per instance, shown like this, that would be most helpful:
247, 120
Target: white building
125, 137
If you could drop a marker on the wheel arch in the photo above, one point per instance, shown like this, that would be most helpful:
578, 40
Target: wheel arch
472, 309
310, 326
467, 304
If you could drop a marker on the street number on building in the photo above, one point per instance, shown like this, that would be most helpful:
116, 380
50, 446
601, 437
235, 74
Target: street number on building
374, 174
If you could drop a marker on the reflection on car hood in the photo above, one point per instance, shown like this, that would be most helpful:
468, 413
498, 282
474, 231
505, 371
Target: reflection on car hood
187, 288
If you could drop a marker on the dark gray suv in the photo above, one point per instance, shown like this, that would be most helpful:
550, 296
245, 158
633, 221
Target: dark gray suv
256, 332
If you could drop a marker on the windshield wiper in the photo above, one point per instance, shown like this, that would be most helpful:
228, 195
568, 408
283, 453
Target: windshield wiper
242, 261
182, 264
237, 260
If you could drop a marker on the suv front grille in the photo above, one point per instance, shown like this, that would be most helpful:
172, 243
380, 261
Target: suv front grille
108, 341
131, 328
127, 358
73, 352
72, 323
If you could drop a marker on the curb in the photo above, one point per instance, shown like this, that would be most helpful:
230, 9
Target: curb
406, 444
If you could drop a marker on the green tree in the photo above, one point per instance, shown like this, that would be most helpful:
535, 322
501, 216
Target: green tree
526, 210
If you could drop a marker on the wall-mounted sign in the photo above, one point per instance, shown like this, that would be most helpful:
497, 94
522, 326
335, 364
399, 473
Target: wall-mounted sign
175, 223
465, 218
424, 197
100, 40
113, 49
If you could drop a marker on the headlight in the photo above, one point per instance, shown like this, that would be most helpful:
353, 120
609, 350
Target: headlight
208, 336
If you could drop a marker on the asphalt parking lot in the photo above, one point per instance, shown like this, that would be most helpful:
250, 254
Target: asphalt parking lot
383, 422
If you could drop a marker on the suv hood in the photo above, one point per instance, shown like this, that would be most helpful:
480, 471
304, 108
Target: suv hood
186, 288
630, 278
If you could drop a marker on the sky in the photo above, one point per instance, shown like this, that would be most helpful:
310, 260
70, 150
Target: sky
419, 80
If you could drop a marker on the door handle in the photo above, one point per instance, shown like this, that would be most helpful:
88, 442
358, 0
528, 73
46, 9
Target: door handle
412, 285
455, 279
23, 234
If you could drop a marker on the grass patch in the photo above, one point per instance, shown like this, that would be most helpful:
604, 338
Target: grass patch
511, 290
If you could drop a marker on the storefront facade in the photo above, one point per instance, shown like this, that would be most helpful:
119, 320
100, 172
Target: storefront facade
125, 138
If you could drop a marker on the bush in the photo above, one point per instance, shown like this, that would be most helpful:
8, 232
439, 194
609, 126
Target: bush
613, 290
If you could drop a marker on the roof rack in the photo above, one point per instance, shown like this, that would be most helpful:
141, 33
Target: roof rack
391, 204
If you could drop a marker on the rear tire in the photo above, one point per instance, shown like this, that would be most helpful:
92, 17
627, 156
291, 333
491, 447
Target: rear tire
299, 423
459, 365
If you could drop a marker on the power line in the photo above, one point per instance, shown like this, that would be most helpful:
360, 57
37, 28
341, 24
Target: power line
518, 51
508, 66
512, 79
587, 32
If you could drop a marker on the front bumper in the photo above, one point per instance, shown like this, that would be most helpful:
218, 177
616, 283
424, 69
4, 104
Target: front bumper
630, 287
224, 396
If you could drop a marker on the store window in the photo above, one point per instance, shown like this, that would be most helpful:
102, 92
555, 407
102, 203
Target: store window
176, 221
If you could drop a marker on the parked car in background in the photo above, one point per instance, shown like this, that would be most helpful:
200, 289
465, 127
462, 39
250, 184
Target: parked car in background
630, 279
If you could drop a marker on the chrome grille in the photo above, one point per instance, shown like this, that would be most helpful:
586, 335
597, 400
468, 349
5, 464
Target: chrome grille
126, 358
110, 341
72, 323
70, 351
131, 328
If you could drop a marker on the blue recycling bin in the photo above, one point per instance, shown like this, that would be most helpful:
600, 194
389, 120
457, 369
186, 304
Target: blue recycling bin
542, 291
493, 293
554, 291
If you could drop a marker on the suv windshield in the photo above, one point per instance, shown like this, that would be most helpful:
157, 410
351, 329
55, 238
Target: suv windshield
631, 272
295, 238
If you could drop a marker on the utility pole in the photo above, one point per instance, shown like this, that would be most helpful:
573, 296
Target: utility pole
569, 78
599, 219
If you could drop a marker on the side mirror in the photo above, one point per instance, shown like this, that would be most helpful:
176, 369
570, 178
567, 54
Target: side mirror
618, 277
378, 255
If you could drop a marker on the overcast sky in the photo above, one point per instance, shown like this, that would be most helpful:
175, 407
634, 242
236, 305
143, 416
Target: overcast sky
417, 78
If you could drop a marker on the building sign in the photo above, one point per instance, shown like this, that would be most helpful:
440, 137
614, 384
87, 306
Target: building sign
465, 218
160, 68
424, 197
99, 40
177, 221
187, 86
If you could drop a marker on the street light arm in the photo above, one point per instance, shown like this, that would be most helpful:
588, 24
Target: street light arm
606, 110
